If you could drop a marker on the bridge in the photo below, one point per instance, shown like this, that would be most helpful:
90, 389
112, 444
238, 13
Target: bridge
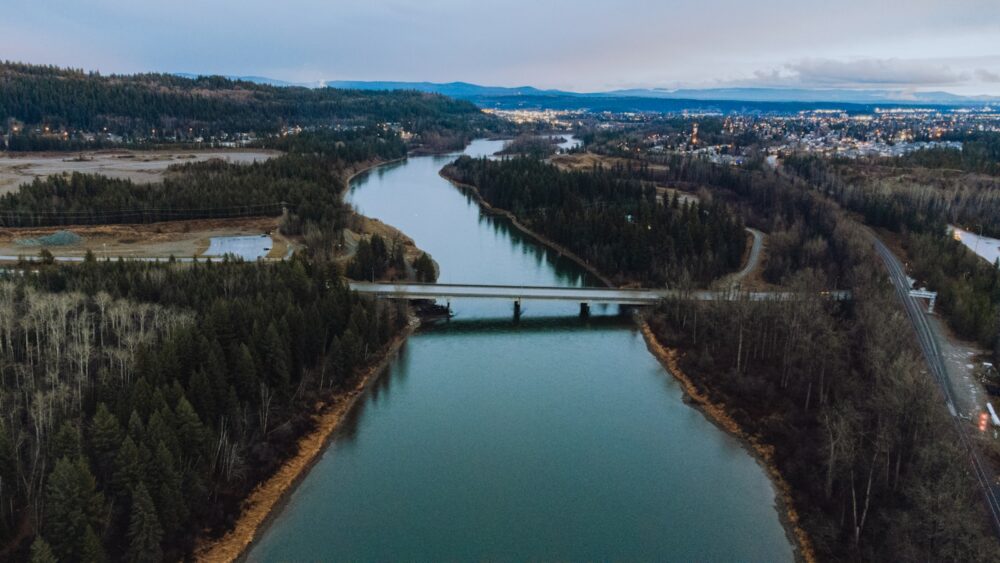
585, 296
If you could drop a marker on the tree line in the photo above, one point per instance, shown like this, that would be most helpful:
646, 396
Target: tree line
136, 105
968, 287
980, 153
800, 225
858, 428
920, 213
306, 181
142, 402
617, 224
375, 259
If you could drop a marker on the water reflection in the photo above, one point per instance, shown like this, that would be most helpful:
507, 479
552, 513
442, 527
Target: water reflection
376, 392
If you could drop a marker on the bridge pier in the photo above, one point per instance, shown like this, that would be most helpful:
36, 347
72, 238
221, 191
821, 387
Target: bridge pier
517, 310
584, 310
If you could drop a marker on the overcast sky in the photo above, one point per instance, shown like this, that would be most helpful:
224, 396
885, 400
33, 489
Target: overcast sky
571, 44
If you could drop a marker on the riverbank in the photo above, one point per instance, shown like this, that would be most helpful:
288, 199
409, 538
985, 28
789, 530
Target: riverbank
260, 506
763, 453
716, 413
544, 241
364, 225
361, 168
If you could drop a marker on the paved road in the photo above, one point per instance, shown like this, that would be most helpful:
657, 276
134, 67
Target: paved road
932, 354
406, 290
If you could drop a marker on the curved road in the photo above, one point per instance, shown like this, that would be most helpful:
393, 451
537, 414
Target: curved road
733, 280
932, 354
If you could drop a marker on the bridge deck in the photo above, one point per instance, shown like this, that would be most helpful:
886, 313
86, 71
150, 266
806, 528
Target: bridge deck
577, 294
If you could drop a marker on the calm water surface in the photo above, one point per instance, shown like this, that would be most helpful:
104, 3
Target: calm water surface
247, 247
553, 438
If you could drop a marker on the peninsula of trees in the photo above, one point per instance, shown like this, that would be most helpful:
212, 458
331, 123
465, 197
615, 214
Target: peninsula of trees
611, 219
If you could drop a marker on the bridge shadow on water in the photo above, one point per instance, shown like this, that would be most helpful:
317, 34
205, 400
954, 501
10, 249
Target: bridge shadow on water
549, 323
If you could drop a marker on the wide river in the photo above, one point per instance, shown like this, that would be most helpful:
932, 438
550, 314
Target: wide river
554, 438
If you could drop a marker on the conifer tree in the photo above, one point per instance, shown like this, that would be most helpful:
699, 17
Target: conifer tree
128, 468
144, 531
41, 551
72, 504
92, 551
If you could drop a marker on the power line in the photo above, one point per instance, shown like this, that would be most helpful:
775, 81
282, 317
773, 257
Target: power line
20, 218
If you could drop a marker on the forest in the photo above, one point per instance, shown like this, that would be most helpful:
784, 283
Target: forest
306, 181
918, 204
375, 259
613, 222
980, 153
142, 402
858, 429
538, 146
968, 287
837, 390
800, 226
161, 106
898, 198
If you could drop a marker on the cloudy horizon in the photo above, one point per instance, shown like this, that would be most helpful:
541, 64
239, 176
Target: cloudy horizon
582, 46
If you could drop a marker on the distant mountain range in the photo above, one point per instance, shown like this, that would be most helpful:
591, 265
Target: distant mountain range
524, 96
466, 90
811, 95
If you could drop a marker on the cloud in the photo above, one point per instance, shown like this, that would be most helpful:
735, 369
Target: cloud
967, 75
873, 72
569, 44
987, 76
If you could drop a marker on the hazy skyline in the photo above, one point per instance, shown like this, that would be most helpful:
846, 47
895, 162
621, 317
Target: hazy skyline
580, 45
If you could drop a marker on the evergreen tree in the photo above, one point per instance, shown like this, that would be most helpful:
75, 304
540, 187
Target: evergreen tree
144, 531
191, 432
245, 373
72, 505
424, 268
166, 484
105, 438
274, 350
200, 391
92, 550
128, 468
66, 442
136, 429
41, 551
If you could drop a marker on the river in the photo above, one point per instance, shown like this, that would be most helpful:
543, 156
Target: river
552, 438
